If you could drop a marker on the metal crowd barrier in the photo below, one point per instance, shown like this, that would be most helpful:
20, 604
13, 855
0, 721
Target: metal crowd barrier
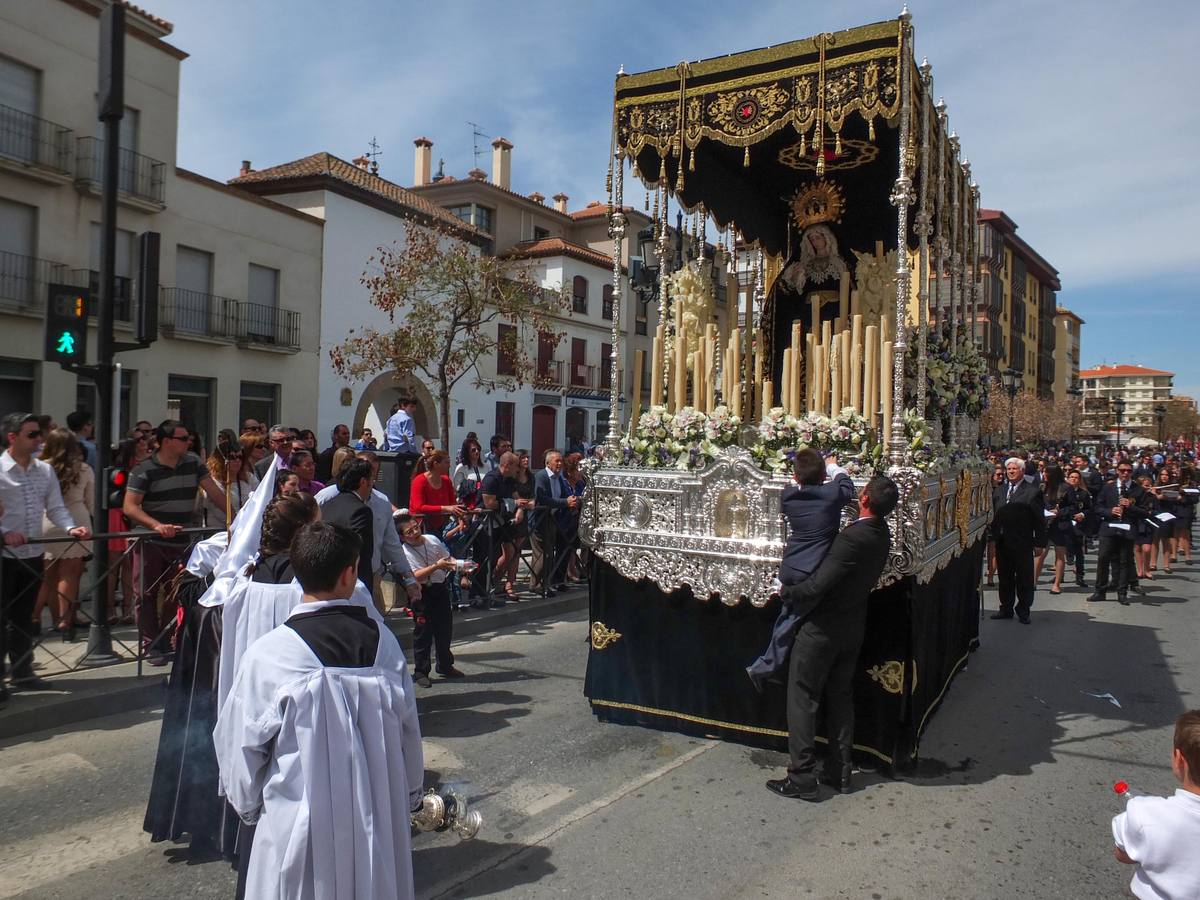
57, 653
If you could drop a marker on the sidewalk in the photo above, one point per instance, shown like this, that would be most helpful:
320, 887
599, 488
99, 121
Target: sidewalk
92, 693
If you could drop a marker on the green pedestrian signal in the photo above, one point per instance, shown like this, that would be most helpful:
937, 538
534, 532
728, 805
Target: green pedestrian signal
66, 325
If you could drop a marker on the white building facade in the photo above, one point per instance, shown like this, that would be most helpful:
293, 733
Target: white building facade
240, 276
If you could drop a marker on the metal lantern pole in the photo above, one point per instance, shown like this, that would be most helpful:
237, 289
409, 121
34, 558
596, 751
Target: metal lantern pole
902, 197
924, 230
617, 232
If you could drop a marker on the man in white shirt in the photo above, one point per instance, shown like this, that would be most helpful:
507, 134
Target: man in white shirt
387, 547
28, 491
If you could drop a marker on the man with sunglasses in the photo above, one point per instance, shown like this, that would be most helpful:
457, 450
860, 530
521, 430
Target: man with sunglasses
1121, 504
279, 443
29, 490
161, 496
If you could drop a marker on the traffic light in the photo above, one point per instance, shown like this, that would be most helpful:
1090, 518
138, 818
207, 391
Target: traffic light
66, 325
115, 479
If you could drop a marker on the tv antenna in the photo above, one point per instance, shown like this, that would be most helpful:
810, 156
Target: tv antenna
476, 134
374, 155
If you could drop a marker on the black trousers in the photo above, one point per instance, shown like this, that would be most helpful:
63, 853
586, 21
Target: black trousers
432, 627
1116, 559
1014, 565
821, 670
548, 543
1075, 547
18, 593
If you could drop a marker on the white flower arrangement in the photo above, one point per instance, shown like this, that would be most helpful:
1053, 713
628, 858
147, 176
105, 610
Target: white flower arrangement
689, 439
780, 435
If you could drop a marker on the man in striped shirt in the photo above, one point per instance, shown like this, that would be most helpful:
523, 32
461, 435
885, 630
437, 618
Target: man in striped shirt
161, 496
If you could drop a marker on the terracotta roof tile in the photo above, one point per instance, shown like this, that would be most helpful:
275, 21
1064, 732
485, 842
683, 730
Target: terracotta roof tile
329, 166
556, 246
1106, 371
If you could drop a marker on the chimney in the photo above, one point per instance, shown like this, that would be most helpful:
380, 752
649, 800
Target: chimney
537, 198
246, 170
423, 162
502, 163
362, 162
477, 175
560, 202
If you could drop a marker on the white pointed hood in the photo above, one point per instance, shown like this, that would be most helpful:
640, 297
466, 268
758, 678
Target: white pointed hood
243, 540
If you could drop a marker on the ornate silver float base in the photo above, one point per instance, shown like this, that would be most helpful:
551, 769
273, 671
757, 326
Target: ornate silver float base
719, 530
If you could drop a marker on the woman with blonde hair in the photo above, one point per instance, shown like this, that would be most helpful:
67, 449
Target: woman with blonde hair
253, 448
341, 456
227, 465
64, 561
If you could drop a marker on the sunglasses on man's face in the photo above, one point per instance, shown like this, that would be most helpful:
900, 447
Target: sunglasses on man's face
31, 435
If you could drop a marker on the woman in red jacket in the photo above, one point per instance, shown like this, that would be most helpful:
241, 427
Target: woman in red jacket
432, 494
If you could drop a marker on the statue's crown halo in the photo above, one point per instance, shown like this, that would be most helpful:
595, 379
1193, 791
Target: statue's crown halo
815, 203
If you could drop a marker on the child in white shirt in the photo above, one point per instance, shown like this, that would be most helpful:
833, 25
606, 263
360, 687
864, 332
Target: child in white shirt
1161, 835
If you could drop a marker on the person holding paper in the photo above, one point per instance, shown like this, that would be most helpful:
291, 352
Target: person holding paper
1146, 531
1121, 505
1059, 512
1166, 492
1019, 529
1189, 495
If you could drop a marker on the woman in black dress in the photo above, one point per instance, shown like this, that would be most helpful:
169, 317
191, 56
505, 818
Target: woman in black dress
1144, 531
1058, 523
1166, 492
1189, 494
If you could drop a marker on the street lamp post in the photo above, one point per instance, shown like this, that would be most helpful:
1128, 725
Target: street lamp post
1074, 392
1118, 408
1009, 377
1160, 416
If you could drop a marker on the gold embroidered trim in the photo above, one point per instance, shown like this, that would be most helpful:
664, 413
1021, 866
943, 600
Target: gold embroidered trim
699, 720
603, 636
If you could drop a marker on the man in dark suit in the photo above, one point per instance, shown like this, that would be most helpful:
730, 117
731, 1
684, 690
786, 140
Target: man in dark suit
1121, 505
832, 607
1018, 527
550, 492
350, 508
813, 509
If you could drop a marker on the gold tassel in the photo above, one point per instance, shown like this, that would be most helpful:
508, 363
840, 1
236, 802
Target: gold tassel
837, 145
662, 169
802, 144
820, 162
746, 157
871, 129
691, 160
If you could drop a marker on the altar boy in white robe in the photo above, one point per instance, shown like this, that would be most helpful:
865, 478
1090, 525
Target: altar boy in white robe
318, 740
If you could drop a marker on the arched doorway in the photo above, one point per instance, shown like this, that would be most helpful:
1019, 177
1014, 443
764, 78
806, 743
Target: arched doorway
375, 405
577, 428
545, 429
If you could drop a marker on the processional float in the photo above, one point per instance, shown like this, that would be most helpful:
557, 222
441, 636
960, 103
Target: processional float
842, 202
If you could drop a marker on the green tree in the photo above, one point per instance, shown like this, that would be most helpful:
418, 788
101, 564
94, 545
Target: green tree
446, 301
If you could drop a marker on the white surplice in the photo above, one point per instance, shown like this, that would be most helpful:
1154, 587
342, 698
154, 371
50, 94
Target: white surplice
254, 609
328, 761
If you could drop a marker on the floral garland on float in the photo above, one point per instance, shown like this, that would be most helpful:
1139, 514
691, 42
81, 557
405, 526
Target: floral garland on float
691, 439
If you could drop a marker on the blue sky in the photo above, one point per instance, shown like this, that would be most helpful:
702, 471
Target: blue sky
1080, 119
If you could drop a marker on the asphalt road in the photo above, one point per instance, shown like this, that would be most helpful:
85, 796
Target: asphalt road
1012, 797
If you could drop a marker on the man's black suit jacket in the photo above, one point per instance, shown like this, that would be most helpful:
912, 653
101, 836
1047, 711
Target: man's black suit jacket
834, 598
1110, 496
348, 509
1020, 522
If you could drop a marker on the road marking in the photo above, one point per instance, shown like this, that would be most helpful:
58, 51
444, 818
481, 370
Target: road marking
531, 798
567, 820
46, 858
45, 768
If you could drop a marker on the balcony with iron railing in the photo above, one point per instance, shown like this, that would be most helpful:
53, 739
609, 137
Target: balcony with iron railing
550, 374
34, 146
196, 315
23, 281
140, 179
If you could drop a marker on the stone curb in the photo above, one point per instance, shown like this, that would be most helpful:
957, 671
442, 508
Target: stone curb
108, 691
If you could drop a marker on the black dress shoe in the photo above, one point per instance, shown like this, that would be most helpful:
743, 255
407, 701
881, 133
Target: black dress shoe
1002, 615
1024, 620
1138, 589
1096, 598
32, 683
1122, 599
785, 787
1079, 582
